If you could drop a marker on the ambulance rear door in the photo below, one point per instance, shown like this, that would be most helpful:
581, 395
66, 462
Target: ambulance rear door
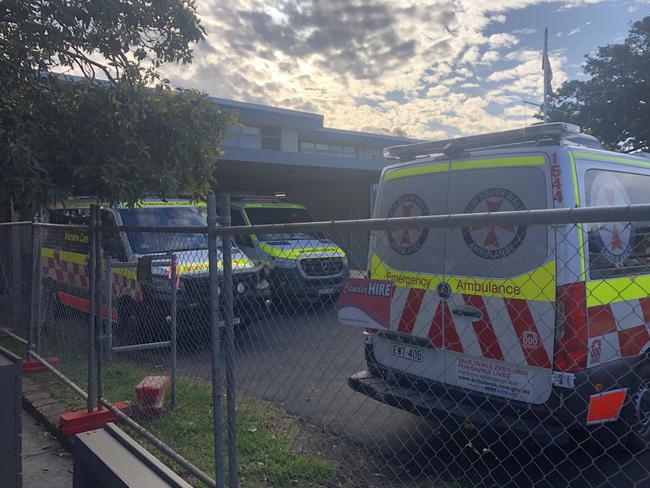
499, 316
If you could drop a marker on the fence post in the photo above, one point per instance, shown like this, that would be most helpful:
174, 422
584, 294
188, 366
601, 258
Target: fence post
174, 325
91, 306
34, 336
16, 272
99, 317
230, 342
217, 393
109, 307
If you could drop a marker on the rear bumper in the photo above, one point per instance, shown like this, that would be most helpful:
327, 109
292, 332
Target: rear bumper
438, 408
563, 414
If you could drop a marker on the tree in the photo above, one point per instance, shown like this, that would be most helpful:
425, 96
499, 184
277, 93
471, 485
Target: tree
613, 104
122, 138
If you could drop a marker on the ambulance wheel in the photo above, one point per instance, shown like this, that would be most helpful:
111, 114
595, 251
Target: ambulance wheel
132, 326
638, 414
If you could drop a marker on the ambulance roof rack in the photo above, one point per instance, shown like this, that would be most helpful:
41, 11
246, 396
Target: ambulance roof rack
555, 131
260, 198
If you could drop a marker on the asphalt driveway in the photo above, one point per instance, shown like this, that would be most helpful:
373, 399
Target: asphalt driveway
301, 361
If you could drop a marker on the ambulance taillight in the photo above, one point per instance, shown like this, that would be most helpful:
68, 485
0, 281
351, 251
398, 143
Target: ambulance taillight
570, 328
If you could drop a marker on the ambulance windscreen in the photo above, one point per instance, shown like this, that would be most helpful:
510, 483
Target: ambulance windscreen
281, 215
146, 243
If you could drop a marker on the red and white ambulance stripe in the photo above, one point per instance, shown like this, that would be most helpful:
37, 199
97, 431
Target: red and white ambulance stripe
76, 275
506, 330
618, 330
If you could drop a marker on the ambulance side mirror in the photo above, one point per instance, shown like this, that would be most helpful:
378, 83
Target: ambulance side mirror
143, 271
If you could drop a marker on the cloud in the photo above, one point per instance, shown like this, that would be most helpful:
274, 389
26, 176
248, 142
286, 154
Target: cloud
502, 40
525, 31
575, 31
353, 39
454, 64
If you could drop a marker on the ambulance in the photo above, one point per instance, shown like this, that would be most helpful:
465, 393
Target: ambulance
142, 296
542, 329
301, 265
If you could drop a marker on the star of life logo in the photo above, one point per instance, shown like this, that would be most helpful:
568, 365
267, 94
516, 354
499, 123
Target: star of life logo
614, 239
494, 241
408, 241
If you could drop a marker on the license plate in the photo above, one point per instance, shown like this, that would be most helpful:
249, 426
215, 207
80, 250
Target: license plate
406, 352
327, 291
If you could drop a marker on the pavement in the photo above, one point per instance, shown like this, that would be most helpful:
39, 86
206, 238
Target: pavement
46, 463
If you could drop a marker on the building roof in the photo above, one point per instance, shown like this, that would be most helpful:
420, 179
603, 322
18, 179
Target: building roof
309, 124
273, 116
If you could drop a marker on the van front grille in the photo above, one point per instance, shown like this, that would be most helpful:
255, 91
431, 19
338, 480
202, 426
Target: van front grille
322, 266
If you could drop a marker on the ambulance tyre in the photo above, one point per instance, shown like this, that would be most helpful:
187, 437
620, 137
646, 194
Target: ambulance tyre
637, 416
132, 326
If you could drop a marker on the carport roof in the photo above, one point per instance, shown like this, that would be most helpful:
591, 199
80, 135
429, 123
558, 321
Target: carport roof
297, 159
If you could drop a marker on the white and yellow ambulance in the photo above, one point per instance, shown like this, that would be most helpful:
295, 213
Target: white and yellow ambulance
145, 303
301, 265
538, 328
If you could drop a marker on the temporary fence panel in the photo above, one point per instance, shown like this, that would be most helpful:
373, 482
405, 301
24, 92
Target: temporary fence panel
508, 349
491, 347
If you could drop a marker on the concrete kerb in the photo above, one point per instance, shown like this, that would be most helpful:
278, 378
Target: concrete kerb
45, 409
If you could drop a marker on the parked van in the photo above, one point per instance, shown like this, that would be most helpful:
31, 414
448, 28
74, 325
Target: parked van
537, 328
301, 265
140, 302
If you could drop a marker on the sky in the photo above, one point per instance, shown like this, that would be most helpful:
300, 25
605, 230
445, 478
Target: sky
427, 68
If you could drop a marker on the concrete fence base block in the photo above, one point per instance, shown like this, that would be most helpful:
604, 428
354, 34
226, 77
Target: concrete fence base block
33, 366
71, 423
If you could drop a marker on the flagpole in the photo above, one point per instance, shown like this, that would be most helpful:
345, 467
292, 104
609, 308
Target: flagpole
546, 68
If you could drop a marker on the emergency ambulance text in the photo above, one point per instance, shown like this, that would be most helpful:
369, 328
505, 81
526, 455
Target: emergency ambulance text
408, 281
487, 287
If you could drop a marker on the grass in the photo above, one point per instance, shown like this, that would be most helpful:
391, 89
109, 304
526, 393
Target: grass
270, 441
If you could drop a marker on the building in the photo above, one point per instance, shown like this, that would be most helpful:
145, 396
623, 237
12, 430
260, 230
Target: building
287, 152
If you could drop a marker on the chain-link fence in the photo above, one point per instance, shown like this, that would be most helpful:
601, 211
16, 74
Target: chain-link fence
15, 274
473, 351
479, 349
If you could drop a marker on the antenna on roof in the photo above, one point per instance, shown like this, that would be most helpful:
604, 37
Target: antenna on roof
548, 76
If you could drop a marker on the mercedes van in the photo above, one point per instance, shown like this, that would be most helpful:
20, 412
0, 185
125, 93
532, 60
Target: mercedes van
143, 301
540, 328
301, 265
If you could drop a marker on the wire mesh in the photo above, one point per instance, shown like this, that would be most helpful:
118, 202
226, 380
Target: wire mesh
505, 354
483, 353
15, 275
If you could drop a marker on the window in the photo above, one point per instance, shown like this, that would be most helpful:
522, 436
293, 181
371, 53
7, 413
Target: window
335, 149
271, 138
236, 218
250, 137
71, 238
254, 137
147, 243
307, 147
281, 215
617, 248
111, 241
243, 137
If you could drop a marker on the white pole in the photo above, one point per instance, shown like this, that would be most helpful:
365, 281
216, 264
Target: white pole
546, 67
